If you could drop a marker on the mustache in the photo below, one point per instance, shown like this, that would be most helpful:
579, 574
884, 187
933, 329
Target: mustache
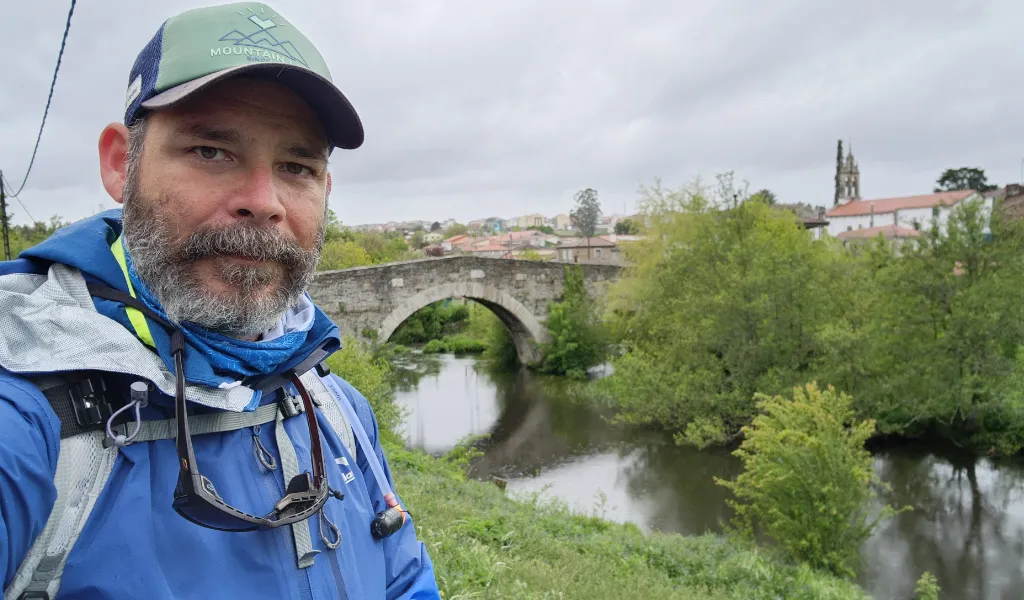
248, 241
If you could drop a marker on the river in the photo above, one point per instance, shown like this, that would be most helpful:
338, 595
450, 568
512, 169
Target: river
967, 526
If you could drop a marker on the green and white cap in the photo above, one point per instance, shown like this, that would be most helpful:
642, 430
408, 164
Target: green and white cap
202, 46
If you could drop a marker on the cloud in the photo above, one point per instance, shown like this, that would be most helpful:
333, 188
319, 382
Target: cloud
475, 109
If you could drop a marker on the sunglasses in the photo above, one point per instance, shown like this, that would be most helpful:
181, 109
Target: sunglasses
195, 497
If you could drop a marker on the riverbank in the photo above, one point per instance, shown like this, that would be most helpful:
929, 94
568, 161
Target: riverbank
487, 544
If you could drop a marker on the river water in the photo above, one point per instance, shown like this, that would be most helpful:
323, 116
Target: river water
967, 526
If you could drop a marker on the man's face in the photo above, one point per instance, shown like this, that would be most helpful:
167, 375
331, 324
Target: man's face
224, 210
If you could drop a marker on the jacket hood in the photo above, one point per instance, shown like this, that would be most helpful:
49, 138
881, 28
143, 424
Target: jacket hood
50, 299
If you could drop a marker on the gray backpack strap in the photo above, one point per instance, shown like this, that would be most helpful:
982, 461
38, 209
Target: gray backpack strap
329, 406
83, 468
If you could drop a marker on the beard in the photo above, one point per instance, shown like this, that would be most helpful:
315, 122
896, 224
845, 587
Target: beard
257, 294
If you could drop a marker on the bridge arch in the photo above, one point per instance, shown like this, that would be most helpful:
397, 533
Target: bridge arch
525, 328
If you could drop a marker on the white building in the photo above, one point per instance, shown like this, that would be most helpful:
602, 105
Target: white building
891, 217
910, 212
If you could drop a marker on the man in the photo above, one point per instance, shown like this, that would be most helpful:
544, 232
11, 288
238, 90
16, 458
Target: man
168, 428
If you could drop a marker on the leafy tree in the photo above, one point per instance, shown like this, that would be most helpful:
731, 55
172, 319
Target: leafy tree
587, 214
416, 241
542, 228
964, 178
342, 255
456, 229
719, 303
627, 227
578, 338
807, 479
434, 251
765, 195
435, 226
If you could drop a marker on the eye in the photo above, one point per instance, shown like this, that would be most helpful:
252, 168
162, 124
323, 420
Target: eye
297, 169
209, 152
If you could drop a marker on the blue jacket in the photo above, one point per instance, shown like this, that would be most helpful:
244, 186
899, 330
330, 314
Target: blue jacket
134, 545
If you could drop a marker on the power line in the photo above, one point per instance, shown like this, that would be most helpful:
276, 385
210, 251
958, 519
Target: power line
16, 197
53, 83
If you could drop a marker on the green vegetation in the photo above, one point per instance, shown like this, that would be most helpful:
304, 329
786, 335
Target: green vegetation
927, 587
578, 338
455, 344
486, 544
807, 478
345, 248
432, 322
727, 299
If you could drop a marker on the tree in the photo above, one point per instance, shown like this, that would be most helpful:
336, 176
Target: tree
578, 339
964, 178
435, 226
416, 241
434, 251
587, 213
542, 228
456, 229
719, 303
765, 195
807, 479
627, 227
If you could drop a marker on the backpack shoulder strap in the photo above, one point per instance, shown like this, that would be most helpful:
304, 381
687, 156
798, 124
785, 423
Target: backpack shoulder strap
83, 468
330, 408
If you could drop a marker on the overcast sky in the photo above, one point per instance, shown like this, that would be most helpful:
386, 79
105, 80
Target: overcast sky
505, 107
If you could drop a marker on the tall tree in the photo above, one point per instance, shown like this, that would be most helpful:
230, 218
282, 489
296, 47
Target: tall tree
964, 178
435, 226
587, 214
765, 195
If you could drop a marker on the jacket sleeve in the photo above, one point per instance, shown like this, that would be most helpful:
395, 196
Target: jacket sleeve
29, 446
409, 570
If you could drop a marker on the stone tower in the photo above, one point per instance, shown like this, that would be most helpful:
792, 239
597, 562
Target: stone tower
847, 179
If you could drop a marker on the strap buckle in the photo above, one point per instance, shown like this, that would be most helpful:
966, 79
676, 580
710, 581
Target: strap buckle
89, 401
291, 405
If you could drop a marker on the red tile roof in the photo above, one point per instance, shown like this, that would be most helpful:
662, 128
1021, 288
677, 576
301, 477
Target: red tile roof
889, 231
888, 205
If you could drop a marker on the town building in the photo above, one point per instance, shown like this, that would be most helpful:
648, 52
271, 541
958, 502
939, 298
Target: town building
589, 250
903, 214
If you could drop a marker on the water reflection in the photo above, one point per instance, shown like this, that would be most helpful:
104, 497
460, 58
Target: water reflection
967, 526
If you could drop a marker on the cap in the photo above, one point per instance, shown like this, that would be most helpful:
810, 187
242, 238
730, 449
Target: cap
199, 47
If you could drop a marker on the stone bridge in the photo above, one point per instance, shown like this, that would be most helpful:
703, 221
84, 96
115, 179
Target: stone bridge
373, 301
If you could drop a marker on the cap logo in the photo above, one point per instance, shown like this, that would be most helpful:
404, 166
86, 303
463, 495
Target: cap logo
133, 91
261, 45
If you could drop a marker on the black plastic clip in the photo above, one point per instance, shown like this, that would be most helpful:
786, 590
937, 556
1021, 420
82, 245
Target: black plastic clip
89, 401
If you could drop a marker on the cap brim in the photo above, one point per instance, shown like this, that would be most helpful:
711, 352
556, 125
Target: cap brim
336, 113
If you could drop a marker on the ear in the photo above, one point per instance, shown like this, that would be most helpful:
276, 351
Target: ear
328, 184
113, 150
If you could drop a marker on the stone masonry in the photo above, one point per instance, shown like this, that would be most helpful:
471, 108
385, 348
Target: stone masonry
371, 302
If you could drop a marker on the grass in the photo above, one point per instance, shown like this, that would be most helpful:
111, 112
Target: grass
485, 544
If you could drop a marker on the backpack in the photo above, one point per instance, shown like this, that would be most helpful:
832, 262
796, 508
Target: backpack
87, 455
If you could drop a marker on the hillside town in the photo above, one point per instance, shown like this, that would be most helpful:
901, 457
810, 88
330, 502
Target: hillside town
533, 236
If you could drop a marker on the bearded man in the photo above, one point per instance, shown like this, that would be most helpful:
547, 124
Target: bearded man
168, 425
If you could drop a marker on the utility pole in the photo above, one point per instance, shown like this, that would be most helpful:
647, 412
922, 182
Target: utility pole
3, 219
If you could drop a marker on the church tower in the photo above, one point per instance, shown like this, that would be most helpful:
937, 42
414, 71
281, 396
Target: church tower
847, 178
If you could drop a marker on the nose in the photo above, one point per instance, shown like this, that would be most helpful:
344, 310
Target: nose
258, 200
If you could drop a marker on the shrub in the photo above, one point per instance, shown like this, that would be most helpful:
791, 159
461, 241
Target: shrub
578, 338
807, 479
356, 363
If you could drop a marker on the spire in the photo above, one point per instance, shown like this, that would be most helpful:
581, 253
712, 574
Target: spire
847, 178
